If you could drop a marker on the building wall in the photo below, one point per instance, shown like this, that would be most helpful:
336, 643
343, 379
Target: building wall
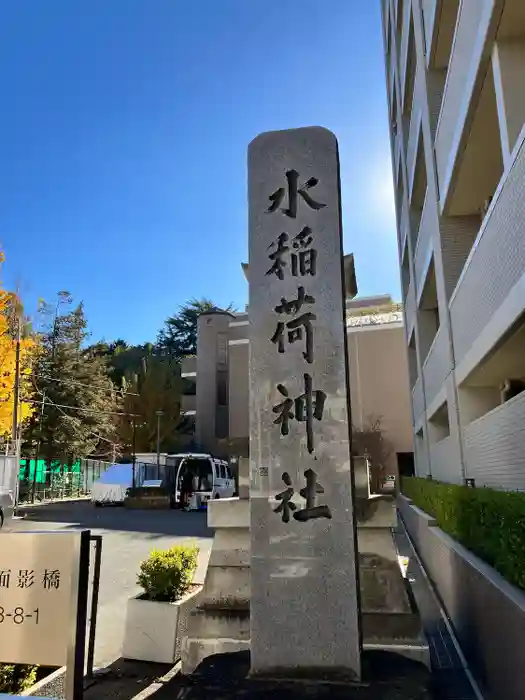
455, 74
378, 376
379, 384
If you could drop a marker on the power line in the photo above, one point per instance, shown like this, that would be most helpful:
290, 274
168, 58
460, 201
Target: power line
74, 381
84, 410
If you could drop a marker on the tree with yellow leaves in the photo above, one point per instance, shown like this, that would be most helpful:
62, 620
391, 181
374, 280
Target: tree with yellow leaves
11, 315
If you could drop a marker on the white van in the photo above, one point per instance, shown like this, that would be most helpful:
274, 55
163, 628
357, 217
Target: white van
212, 477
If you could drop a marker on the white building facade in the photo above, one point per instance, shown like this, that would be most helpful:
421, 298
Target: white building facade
455, 73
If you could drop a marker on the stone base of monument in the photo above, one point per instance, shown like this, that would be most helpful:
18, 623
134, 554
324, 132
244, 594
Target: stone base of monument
221, 622
389, 616
384, 676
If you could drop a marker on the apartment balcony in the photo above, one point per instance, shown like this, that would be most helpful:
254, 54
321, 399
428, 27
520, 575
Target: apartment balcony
494, 447
405, 36
429, 19
188, 403
392, 76
397, 155
410, 309
445, 461
412, 146
423, 252
403, 227
494, 268
418, 401
437, 366
467, 67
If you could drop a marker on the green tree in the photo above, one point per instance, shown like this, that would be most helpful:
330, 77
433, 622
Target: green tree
76, 399
155, 387
178, 337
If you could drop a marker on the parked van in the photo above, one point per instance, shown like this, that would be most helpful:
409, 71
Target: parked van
212, 477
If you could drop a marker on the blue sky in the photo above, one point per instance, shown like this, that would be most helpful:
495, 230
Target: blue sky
125, 125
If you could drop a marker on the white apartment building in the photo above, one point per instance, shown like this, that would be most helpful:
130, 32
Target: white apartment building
455, 72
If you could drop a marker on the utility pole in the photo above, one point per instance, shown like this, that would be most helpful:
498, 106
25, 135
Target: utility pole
134, 450
159, 414
16, 400
16, 390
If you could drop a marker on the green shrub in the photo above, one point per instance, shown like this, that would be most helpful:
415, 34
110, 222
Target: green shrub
15, 678
166, 575
489, 523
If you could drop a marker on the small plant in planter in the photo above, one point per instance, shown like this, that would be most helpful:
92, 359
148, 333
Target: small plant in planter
166, 575
154, 617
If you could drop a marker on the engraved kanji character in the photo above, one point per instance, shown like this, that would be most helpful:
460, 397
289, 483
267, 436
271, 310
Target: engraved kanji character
292, 182
304, 261
312, 488
295, 332
308, 406
295, 305
277, 256
284, 410
286, 506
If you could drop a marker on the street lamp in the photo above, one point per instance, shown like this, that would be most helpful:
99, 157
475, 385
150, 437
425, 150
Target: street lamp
158, 414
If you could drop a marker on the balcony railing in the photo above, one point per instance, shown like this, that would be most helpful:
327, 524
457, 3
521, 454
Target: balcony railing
418, 401
460, 82
429, 18
424, 244
413, 139
495, 447
403, 53
495, 265
437, 365
403, 226
410, 309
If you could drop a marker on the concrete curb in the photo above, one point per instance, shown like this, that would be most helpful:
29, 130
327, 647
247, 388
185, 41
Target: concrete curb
22, 506
55, 681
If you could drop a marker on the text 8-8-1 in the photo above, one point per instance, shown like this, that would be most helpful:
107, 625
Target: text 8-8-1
18, 616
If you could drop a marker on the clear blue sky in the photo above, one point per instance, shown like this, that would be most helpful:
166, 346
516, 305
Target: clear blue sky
125, 125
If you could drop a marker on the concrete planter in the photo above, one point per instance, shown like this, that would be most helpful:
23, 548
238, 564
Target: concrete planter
153, 630
486, 611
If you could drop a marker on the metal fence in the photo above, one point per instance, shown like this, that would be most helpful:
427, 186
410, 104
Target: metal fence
43, 481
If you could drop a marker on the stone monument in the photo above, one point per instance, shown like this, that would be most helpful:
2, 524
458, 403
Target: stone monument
221, 622
305, 608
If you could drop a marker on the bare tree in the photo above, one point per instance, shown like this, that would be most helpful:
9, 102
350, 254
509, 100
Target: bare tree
371, 441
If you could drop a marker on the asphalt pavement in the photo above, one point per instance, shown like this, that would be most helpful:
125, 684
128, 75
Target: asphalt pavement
128, 538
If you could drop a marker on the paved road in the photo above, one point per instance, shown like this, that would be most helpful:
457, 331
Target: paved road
128, 537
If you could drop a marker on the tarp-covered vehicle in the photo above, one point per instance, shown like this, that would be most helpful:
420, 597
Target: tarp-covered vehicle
113, 484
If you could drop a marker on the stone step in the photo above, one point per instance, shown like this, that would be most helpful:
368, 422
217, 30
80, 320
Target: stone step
227, 587
231, 548
217, 623
195, 650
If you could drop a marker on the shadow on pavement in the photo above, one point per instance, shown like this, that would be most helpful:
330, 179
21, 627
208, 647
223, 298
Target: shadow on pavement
85, 515
124, 680
224, 676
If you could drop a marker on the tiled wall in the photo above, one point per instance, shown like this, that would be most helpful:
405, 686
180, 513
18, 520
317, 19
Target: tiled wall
495, 447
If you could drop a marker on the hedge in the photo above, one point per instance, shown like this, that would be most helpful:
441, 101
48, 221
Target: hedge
489, 523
